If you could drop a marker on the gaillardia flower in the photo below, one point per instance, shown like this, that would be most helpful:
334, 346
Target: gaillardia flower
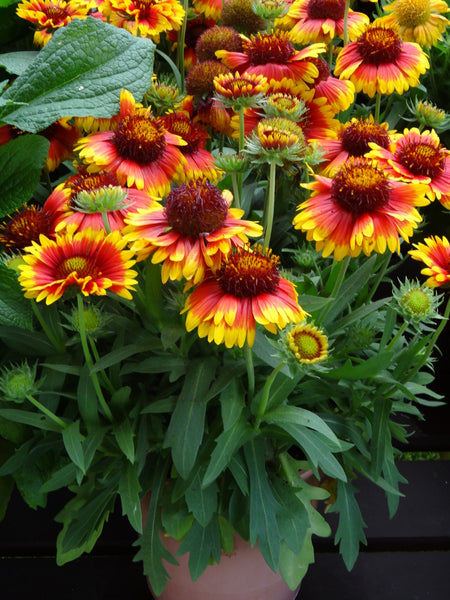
198, 161
274, 56
359, 210
278, 140
240, 90
144, 18
89, 260
94, 200
191, 233
339, 93
420, 21
25, 226
352, 139
307, 343
49, 15
380, 62
140, 152
416, 156
321, 21
246, 290
435, 253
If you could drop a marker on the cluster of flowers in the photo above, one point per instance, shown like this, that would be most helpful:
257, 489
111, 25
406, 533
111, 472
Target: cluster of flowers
147, 184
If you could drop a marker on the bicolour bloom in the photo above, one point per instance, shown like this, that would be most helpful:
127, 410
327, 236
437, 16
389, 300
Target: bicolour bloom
190, 234
240, 90
94, 200
420, 21
212, 9
144, 18
25, 226
49, 15
246, 290
89, 261
359, 210
339, 93
352, 139
380, 62
307, 343
435, 253
321, 21
198, 160
140, 152
274, 56
417, 156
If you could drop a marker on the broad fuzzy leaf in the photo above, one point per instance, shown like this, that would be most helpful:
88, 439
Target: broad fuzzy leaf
80, 72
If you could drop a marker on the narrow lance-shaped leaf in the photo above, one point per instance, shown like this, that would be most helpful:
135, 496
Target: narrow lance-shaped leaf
80, 72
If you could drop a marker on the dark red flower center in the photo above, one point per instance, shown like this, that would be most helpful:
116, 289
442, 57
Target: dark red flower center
357, 135
86, 182
56, 14
326, 9
360, 187
181, 125
322, 67
25, 227
195, 209
140, 138
378, 45
247, 273
425, 159
81, 265
269, 48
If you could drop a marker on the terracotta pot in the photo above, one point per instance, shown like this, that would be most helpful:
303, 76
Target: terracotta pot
242, 575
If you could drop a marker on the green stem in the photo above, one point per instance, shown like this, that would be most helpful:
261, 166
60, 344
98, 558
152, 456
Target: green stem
46, 411
105, 379
106, 224
235, 184
270, 205
346, 10
381, 274
240, 149
400, 332
265, 395
88, 358
250, 371
377, 107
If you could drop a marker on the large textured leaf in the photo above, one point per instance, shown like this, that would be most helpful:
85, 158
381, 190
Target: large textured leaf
18, 62
21, 162
80, 72
14, 308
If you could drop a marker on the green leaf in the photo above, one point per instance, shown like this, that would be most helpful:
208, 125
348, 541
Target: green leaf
202, 543
152, 551
15, 309
33, 419
185, 431
83, 520
129, 488
72, 443
231, 404
368, 368
317, 447
202, 500
293, 567
17, 62
17, 183
28, 343
87, 399
228, 443
380, 432
350, 532
124, 434
176, 519
61, 478
80, 72
263, 506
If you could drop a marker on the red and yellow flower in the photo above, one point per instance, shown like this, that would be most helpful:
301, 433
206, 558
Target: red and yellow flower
246, 290
91, 261
380, 62
198, 161
144, 18
435, 253
25, 226
274, 56
339, 93
140, 152
49, 15
352, 139
321, 21
190, 234
417, 156
94, 200
308, 344
420, 21
359, 210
